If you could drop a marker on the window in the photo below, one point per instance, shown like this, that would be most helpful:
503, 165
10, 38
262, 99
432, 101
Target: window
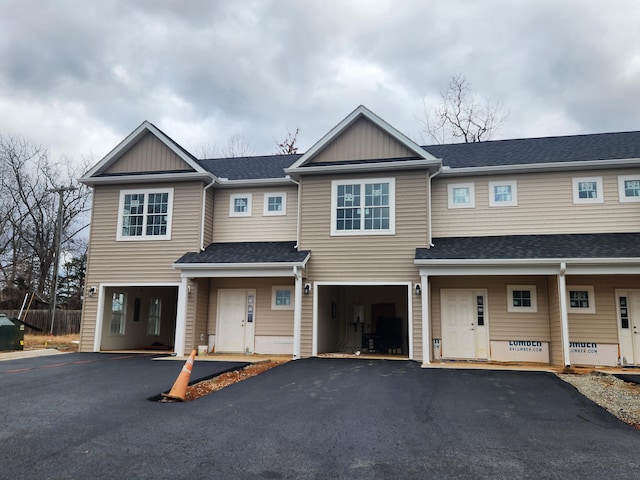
522, 298
363, 207
282, 298
240, 205
587, 190
581, 299
629, 188
153, 327
117, 314
503, 194
145, 215
461, 195
275, 204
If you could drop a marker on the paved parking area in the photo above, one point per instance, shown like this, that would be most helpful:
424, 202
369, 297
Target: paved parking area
88, 416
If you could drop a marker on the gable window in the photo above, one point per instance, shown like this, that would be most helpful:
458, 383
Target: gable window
282, 298
275, 204
629, 188
587, 190
461, 195
153, 326
240, 205
363, 206
522, 298
503, 194
581, 299
116, 328
145, 214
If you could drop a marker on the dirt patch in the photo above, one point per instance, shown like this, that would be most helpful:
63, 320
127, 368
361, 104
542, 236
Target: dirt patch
68, 343
206, 387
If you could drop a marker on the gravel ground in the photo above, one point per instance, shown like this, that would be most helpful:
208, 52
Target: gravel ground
620, 398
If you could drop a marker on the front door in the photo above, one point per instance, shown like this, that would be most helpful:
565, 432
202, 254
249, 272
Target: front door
629, 326
463, 322
232, 319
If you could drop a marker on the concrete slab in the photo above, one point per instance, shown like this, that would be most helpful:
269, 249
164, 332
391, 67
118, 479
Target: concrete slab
18, 354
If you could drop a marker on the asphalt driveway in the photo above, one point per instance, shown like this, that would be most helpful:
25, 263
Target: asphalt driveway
88, 416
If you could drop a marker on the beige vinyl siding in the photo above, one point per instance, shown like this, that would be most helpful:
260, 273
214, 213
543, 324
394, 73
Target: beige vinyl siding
267, 321
208, 218
503, 325
306, 329
555, 322
148, 155
600, 327
418, 353
257, 227
197, 318
545, 206
364, 257
362, 141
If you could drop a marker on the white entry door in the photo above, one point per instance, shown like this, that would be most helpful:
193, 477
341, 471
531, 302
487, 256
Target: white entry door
629, 326
463, 324
234, 321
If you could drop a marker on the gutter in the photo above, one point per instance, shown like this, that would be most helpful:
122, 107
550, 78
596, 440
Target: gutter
366, 167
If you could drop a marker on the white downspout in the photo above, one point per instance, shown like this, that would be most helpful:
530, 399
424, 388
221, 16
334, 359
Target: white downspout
430, 236
299, 208
297, 314
564, 316
204, 205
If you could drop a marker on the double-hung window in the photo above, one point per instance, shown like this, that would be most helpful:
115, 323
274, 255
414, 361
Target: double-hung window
145, 214
155, 308
116, 327
363, 207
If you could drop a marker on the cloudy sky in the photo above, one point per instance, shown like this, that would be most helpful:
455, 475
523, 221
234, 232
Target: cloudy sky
78, 76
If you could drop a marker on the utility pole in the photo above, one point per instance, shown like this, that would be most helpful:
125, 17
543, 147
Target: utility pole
57, 242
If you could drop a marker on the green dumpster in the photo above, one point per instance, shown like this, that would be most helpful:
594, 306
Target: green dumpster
11, 334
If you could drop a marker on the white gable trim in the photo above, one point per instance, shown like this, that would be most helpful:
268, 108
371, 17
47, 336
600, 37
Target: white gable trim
359, 112
144, 128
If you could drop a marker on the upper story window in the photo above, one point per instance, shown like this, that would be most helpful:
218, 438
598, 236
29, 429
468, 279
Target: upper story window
363, 206
503, 193
461, 195
275, 204
629, 188
587, 190
240, 205
145, 214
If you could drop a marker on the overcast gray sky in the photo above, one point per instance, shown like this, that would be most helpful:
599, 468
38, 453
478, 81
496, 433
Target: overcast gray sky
79, 75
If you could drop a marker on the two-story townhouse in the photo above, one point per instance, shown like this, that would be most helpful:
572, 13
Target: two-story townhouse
516, 250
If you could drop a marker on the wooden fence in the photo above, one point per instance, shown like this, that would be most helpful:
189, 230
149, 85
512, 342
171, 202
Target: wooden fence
66, 322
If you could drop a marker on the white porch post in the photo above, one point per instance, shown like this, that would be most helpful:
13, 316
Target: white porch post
426, 330
564, 316
97, 339
297, 314
181, 317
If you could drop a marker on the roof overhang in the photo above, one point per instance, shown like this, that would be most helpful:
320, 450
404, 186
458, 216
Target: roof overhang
241, 270
421, 164
148, 178
253, 182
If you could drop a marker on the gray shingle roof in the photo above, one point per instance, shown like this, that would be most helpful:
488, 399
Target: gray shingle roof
603, 146
600, 245
246, 252
249, 168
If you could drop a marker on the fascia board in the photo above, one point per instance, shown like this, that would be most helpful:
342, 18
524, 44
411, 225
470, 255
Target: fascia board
362, 111
254, 182
242, 266
147, 178
132, 138
525, 261
533, 168
366, 167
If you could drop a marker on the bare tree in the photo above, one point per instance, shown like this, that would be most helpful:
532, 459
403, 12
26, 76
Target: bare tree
288, 145
460, 118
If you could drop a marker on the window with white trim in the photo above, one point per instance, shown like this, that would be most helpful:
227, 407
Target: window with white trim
275, 204
461, 195
153, 325
587, 190
282, 298
145, 214
503, 193
522, 298
629, 188
363, 207
240, 205
581, 299
116, 327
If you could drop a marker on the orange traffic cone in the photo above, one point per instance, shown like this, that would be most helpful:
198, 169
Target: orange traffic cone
179, 389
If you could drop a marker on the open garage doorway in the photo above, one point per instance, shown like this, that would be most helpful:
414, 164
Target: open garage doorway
363, 319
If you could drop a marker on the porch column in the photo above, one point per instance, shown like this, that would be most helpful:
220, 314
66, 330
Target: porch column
426, 330
181, 317
297, 314
564, 316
